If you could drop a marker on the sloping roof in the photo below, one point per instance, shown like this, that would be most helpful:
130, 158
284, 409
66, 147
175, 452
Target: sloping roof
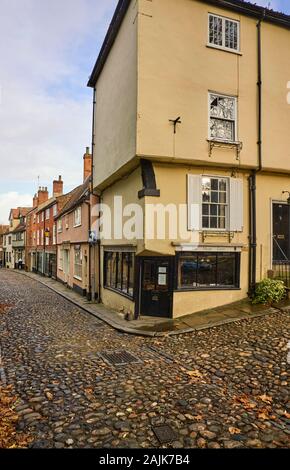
46, 204
76, 198
4, 229
239, 6
19, 212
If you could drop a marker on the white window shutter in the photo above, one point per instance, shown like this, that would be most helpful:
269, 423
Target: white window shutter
236, 205
194, 202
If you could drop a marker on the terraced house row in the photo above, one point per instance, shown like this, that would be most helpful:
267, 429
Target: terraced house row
51, 237
191, 116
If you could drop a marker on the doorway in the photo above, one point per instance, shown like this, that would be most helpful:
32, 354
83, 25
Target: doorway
156, 287
281, 233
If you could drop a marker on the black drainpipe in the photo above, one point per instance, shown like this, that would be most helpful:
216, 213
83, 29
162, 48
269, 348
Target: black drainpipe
252, 177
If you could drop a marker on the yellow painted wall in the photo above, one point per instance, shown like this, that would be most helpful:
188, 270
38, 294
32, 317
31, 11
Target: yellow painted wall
117, 302
160, 68
172, 182
116, 103
176, 71
127, 188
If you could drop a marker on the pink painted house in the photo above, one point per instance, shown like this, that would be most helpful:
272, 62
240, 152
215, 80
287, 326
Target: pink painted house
74, 254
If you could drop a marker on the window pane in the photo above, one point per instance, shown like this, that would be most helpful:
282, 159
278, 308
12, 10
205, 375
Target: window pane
226, 269
222, 107
125, 272
205, 196
119, 269
214, 184
205, 222
213, 222
222, 185
132, 271
222, 211
222, 222
213, 209
187, 271
215, 30
222, 197
205, 209
207, 267
220, 129
114, 270
231, 34
214, 196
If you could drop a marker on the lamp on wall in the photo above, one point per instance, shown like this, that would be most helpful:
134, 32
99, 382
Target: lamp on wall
288, 200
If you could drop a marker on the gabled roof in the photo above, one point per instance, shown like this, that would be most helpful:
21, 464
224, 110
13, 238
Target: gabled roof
19, 212
77, 197
239, 6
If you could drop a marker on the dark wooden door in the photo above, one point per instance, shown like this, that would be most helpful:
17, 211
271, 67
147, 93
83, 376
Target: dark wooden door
157, 287
281, 232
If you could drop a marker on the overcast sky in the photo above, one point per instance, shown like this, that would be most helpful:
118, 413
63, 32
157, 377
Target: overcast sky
47, 52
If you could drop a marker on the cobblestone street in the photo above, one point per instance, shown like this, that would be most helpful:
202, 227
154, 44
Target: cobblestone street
223, 387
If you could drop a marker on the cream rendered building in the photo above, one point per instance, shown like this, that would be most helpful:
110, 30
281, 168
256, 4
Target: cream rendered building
191, 109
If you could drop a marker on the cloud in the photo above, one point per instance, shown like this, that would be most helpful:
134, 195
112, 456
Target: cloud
45, 107
12, 199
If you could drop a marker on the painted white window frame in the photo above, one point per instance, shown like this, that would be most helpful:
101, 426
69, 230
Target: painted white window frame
60, 260
59, 226
54, 210
227, 205
236, 134
234, 216
47, 214
80, 265
223, 47
78, 216
54, 234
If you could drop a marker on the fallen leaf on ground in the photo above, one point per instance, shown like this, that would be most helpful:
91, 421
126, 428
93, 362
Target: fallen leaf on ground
9, 438
49, 395
266, 399
194, 373
233, 430
265, 416
246, 402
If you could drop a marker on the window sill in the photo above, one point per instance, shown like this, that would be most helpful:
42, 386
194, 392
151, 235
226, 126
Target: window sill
200, 289
224, 49
224, 142
123, 294
78, 225
78, 278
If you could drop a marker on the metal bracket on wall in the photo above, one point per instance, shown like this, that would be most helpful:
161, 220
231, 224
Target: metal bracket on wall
211, 233
237, 146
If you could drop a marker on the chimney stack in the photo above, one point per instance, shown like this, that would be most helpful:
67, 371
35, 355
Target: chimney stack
42, 195
35, 201
87, 163
58, 187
